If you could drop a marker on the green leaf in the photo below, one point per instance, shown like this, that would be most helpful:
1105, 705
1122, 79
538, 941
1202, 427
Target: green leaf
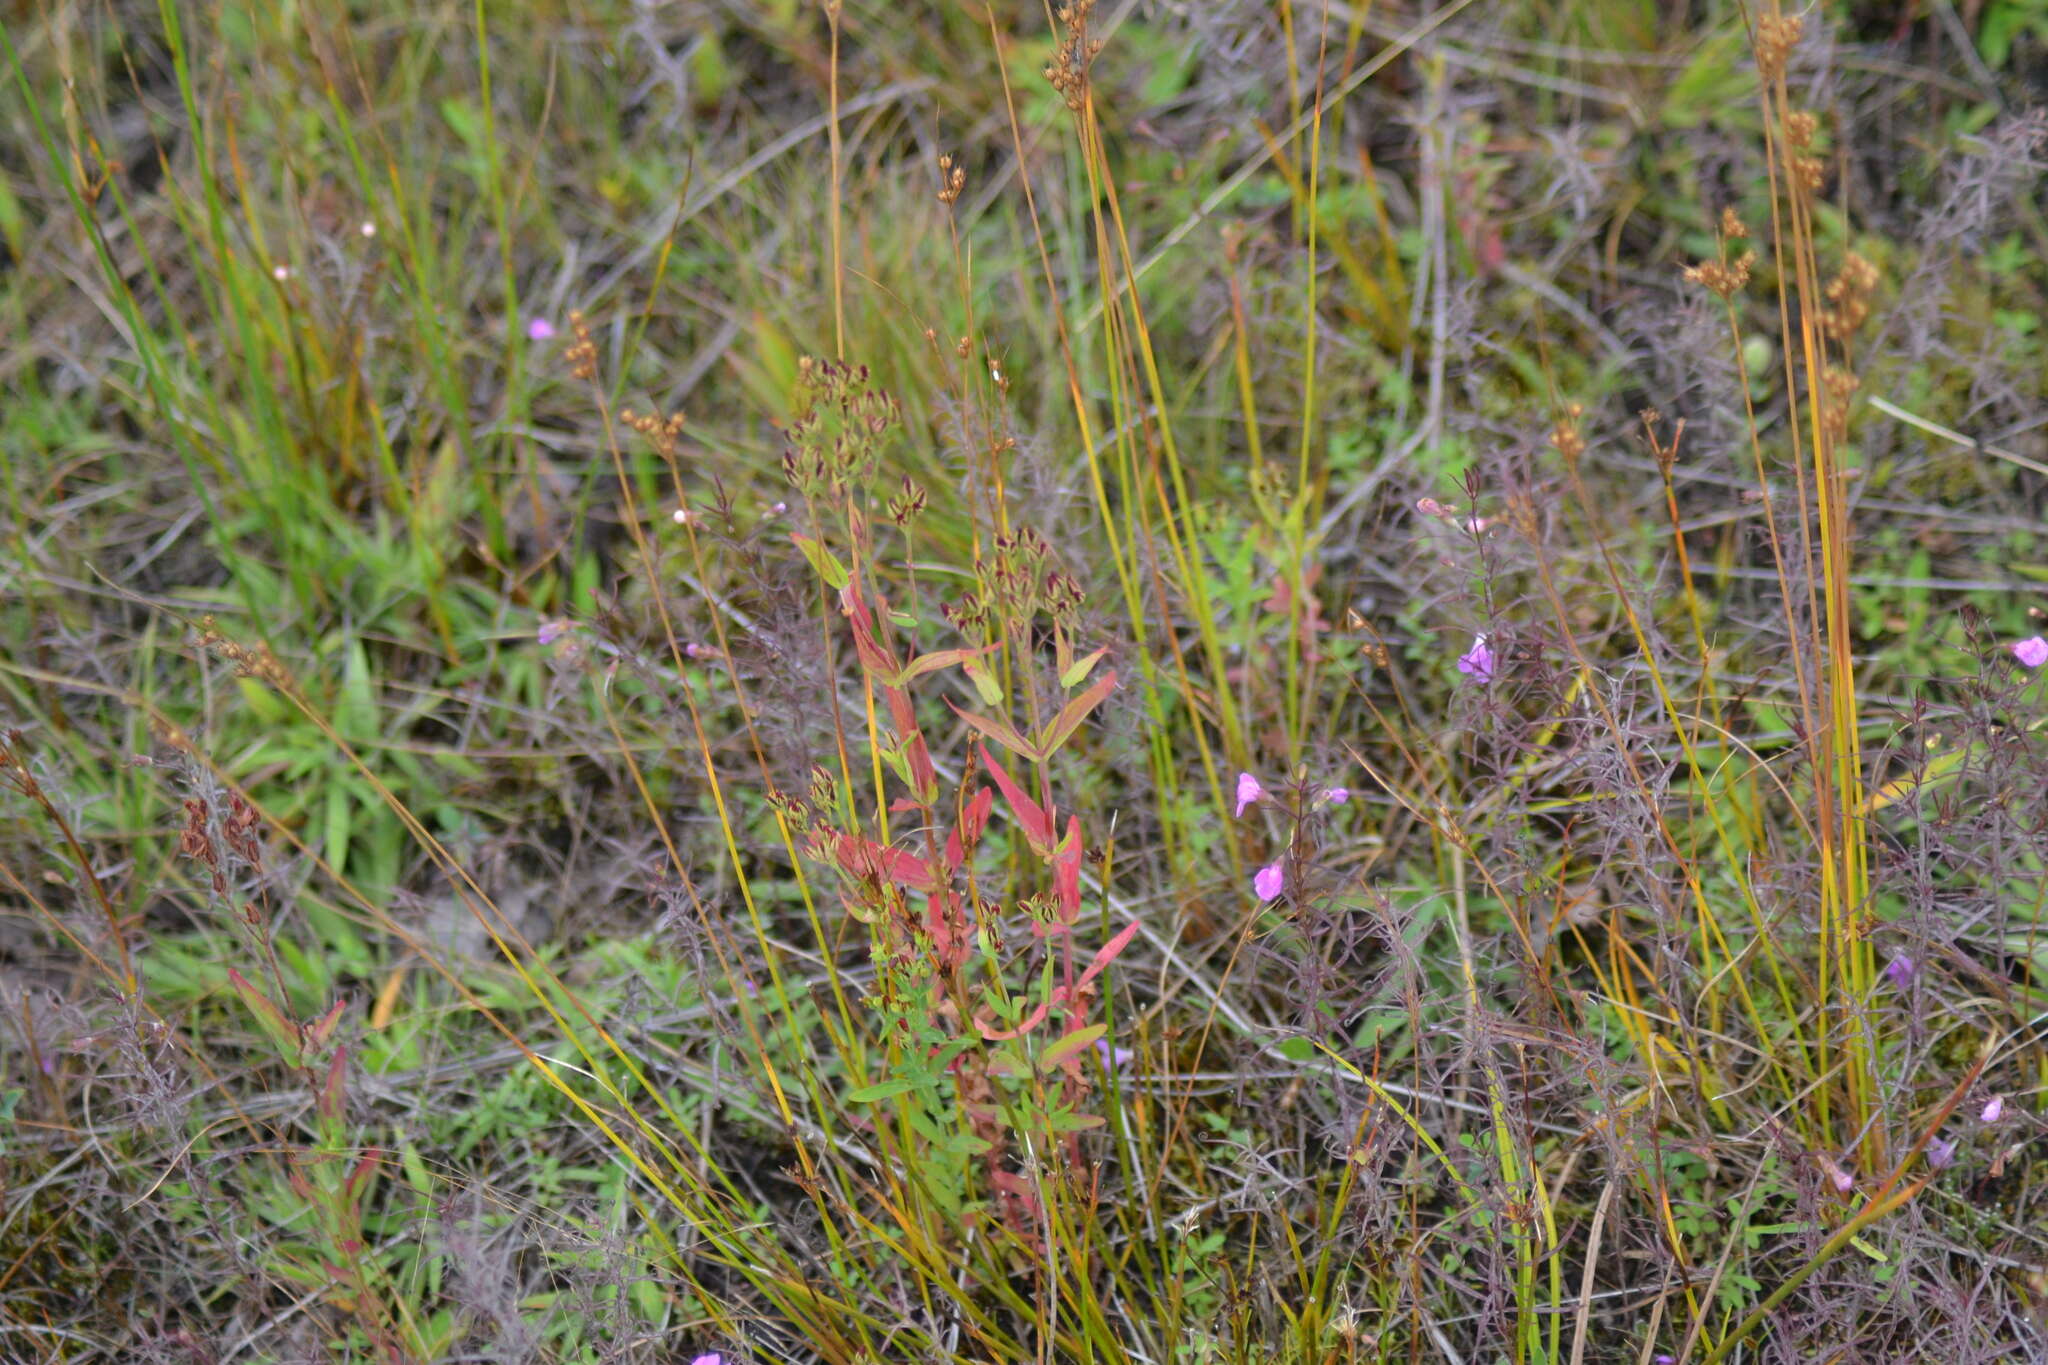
1082, 667
984, 682
275, 1023
1063, 725
829, 569
1063, 1048
882, 1090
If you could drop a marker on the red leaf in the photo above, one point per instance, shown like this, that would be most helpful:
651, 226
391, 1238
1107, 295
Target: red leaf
860, 857
1107, 954
331, 1102
998, 731
1031, 1021
967, 833
1066, 871
872, 655
1036, 821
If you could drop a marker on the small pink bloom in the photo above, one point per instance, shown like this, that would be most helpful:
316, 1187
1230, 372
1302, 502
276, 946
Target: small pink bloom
2031, 652
1430, 507
1940, 1154
1337, 796
709, 1358
1994, 1109
540, 329
551, 631
1268, 881
1899, 971
1248, 791
1478, 662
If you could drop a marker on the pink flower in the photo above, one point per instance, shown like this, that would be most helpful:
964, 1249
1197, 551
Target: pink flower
1940, 1154
709, 1358
1900, 972
2031, 652
1268, 881
1337, 796
1994, 1109
1477, 662
1248, 791
551, 631
539, 329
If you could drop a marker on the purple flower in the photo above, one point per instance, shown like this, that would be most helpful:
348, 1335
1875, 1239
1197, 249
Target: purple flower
1268, 881
1337, 796
1940, 1154
709, 1358
1994, 1109
1664, 1358
1477, 662
1899, 971
539, 329
2031, 652
1248, 791
1113, 1058
551, 631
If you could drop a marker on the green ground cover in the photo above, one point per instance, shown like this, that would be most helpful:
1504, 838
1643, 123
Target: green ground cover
1162, 682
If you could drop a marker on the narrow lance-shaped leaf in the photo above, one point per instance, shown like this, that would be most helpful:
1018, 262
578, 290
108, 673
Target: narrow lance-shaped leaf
998, 731
1063, 725
829, 569
1061, 1049
275, 1023
1037, 822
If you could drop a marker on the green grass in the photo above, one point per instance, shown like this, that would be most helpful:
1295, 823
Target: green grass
491, 874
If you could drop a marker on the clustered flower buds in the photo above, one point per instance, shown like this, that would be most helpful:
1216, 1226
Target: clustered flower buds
952, 180
841, 422
663, 433
582, 355
1722, 277
1776, 36
1068, 70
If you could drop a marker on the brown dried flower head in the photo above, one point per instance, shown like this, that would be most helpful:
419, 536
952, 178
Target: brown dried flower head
663, 433
582, 355
1776, 36
952, 180
1722, 277
1067, 72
